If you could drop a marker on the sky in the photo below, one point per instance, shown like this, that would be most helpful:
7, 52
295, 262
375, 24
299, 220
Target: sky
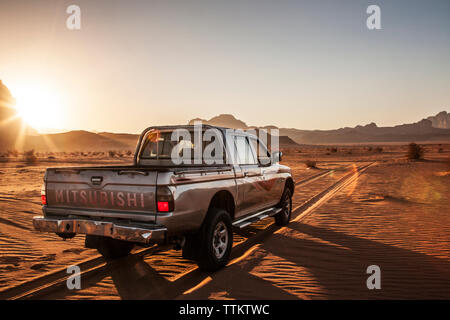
305, 64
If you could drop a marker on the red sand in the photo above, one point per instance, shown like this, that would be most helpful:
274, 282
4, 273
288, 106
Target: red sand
396, 216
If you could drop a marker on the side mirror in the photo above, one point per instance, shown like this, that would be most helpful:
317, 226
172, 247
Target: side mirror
277, 156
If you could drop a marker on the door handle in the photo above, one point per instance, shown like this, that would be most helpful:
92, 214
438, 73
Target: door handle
132, 172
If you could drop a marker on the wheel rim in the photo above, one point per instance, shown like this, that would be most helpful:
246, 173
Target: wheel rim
220, 240
287, 205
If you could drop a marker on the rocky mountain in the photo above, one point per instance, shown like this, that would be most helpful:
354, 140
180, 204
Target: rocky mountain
223, 120
441, 120
419, 131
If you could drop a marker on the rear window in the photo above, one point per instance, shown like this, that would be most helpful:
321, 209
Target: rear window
159, 146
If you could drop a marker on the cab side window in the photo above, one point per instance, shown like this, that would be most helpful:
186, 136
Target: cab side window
263, 156
245, 154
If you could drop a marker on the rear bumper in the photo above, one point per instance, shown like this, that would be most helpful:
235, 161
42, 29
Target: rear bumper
132, 233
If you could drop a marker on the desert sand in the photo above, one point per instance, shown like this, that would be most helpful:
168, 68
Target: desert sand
396, 216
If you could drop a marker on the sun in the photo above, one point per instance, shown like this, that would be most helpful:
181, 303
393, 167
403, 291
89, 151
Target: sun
39, 106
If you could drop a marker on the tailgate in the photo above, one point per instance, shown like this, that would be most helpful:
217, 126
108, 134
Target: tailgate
115, 189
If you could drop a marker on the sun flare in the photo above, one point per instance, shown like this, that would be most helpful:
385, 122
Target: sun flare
39, 106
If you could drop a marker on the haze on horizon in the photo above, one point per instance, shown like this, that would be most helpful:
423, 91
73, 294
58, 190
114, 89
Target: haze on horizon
303, 64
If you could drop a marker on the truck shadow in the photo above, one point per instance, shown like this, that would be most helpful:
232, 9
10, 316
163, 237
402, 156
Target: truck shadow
338, 263
303, 262
139, 281
319, 263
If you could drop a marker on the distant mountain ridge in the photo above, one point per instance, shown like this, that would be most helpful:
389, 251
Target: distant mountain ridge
79, 141
434, 128
418, 131
289, 137
13, 130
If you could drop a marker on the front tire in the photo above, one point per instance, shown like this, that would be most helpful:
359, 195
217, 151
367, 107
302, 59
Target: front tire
283, 217
216, 240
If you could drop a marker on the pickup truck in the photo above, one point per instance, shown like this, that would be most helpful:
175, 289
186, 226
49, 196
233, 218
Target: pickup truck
194, 207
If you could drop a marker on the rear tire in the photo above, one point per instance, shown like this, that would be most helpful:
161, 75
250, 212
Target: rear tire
216, 240
283, 217
109, 248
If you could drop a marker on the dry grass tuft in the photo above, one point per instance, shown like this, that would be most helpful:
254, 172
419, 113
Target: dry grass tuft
415, 152
310, 164
29, 157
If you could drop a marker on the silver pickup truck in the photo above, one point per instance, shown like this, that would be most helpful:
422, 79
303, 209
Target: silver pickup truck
194, 206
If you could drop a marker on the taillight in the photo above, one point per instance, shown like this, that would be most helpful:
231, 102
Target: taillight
164, 199
43, 195
163, 206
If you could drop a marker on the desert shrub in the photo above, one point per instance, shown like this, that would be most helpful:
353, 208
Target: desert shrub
120, 155
415, 152
51, 157
129, 153
378, 149
13, 153
349, 152
111, 153
334, 149
310, 163
29, 157
369, 149
440, 150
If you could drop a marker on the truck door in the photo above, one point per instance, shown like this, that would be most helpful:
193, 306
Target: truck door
272, 183
248, 177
